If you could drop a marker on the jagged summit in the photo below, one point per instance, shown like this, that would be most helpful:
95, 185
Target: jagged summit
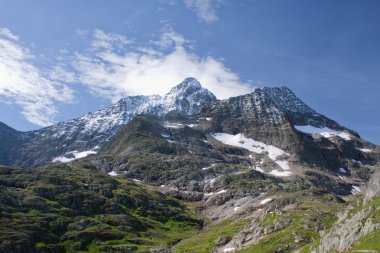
187, 97
189, 82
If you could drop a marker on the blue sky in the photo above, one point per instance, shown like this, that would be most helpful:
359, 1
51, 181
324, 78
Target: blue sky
62, 59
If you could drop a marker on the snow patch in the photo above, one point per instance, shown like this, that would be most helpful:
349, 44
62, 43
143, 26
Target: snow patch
229, 249
257, 147
324, 131
165, 135
207, 168
264, 201
73, 155
173, 125
355, 189
283, 164
278, 173
259, 169
112, 173
342, 170
212, 193
365, 150
236, 208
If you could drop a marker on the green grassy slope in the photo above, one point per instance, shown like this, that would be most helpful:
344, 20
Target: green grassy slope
73, 209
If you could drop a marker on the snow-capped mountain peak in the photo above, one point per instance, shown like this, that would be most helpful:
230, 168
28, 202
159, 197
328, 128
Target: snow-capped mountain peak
186, 97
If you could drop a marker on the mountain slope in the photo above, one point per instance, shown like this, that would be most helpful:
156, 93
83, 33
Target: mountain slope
74, 209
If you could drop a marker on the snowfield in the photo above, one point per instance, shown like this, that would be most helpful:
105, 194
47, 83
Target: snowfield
112, 173
73, 155
257, 147
325, 132
278, 173
173, 125
264, 201
355, 190
207, 168
365, 150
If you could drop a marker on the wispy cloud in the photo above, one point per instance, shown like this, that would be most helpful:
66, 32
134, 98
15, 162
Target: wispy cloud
109, 40
24, 84
154, 69
203, 9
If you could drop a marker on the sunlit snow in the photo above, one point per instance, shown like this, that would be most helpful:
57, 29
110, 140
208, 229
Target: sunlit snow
209, 167
257, 147
278, 173
365, 150
325, 132
173, 125
212, 193
73, 155
355, 189
264, 201
259, 169
165, 135
112, 173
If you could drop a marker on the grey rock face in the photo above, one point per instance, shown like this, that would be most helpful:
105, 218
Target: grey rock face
373, 186
347, 231
222, 240
342, 235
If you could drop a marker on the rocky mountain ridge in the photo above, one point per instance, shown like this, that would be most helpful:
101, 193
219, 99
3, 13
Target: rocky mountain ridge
91, 131
263, 109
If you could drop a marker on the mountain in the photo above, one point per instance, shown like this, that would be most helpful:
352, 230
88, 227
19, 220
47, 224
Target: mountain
80, 137
261, 172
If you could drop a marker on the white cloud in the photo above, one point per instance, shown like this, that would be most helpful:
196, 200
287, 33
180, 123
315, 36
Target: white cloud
203, 9
25, 85
150, 70
5, 32
108, 41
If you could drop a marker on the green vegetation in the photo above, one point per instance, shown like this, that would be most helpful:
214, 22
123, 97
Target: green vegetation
372, 240
303, 224
204, 242
72, 209
310, 211
369, 242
